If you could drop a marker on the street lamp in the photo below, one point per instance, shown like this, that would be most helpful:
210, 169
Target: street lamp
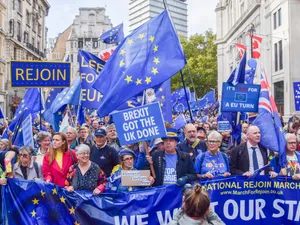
251, 32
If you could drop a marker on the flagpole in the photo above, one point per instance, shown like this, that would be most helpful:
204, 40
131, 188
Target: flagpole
186, 97
41, 108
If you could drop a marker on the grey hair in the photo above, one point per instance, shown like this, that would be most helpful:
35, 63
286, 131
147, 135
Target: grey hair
82, 148
27, 149
215, 134
73, 130
289, 135
111, 126
42, 135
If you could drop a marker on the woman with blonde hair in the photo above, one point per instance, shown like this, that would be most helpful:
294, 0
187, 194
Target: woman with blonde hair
57, 161
195, 209
43, 139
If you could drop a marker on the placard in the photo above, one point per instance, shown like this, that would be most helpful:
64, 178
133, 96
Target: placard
139, 124
40, 74
240, 98
135, 178
27, 131
224, 126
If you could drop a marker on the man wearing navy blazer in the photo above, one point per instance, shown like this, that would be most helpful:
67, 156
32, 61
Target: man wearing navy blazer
250, 156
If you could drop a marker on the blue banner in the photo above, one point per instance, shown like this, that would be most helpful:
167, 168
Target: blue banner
224, 126
40, 74
240, 98
90, 67
140, 123
297, 95
258, 200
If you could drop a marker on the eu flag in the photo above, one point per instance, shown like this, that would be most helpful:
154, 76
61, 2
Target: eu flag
208, 98
31, 103
297, 95
51, 96
268, 121
238, 75
1, 113
147, 57
179, 101
114, 35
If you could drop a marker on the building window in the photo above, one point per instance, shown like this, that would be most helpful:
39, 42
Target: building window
275, 20
33, 22
71, 57
57, 55
276, 57
34, 4
11, 26
19, 31
279, 96
39, 29
279, 18
71, 44
38, 45
33, 44
80, 43
95, 43
15, 53
17, 5
26, 37
242, 8
27, 17
280, 55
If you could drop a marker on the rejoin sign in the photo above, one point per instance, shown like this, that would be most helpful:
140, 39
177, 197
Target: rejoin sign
240, 98
139, 124
40, 74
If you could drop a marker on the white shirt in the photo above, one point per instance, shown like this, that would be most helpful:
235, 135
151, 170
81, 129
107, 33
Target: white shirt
259, 156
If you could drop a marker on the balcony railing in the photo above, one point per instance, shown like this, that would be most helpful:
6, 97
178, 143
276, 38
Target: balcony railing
34, 49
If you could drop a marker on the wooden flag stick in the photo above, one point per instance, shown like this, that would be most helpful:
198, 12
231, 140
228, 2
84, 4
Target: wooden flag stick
147, 153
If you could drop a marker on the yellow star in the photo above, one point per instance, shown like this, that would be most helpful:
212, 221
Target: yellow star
148, 80
48, 101
128, 79
14, 117
138, 100
35, 201
122, 63
160, 89
20, 130
151, 38
122, 52
62, 199
59, 113
154, 70
76, 223
138, 81
163, 97
129, 103
130, 41
72, 210
54, 191
20, 112
23, 100
43, 193
141, 36
33, 213
155, 49
161, 104
156, 60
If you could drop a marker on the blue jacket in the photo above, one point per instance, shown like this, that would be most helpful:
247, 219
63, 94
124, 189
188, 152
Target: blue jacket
193, 152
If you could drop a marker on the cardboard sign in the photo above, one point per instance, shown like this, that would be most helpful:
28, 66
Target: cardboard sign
139, 124
240, 98
40, 74
135, 178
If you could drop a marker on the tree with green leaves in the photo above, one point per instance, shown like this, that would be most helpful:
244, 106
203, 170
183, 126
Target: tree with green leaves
201, 55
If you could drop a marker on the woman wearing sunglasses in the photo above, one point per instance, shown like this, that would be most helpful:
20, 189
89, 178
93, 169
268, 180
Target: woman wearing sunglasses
126, 157
213, 162
27, 168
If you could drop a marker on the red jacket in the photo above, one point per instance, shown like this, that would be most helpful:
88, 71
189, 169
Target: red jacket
53, 172
298, 146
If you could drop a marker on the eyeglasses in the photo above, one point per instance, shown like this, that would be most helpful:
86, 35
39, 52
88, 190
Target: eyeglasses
128, 159
84, 153
24, 155
212, 142
292, 143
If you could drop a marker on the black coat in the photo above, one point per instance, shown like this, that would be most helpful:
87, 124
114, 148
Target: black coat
239, 159
184, 167
193, 152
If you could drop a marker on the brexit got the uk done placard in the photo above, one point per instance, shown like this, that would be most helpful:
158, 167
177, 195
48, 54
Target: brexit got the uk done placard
40, 74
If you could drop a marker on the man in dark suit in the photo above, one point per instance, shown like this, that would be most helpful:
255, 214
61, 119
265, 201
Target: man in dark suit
250, 156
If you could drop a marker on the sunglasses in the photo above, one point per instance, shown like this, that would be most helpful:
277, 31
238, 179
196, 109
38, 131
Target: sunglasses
24, 155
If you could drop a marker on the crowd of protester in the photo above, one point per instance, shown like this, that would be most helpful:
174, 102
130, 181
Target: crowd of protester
90, 157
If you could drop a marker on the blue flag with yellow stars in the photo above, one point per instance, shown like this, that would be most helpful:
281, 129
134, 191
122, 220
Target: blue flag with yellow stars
147, 57
114, 35
31, 104
68, 96
51, 96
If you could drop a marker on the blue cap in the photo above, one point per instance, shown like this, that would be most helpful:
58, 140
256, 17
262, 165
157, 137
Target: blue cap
100, 132
171, 133
126, 151
101, 121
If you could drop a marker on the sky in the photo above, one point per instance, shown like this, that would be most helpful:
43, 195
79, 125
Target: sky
201, 14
